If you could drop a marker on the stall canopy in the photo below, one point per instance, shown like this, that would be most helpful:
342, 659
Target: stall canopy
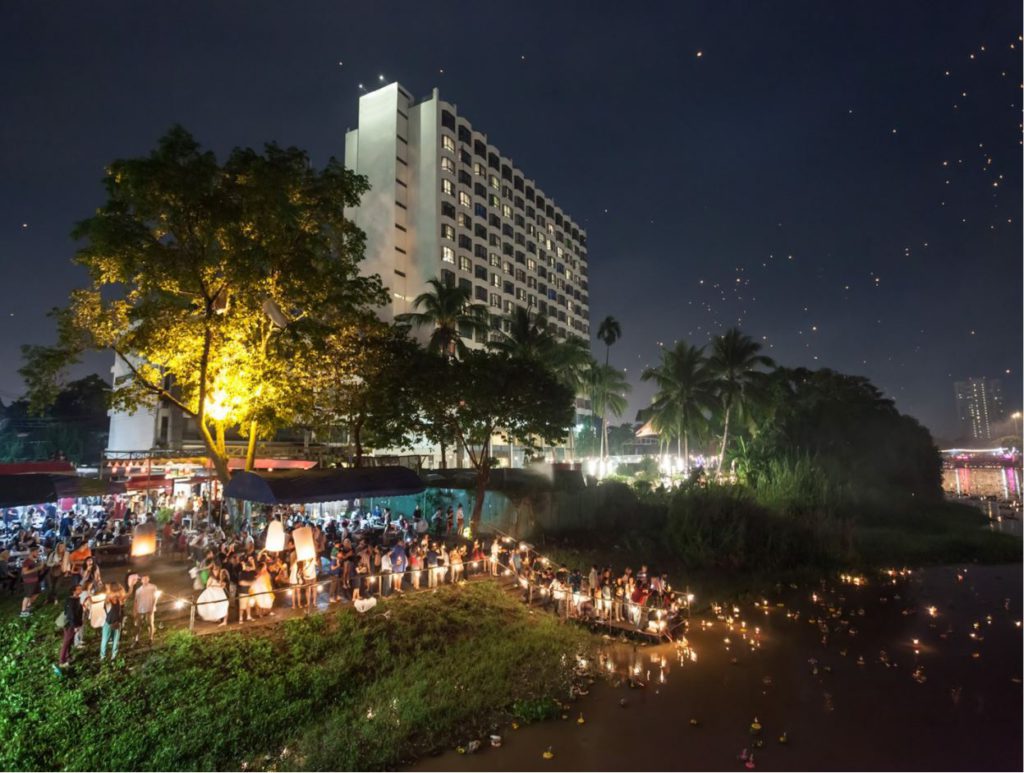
290, 487
40, 488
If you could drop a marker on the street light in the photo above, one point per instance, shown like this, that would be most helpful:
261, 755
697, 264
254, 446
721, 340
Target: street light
1016, 421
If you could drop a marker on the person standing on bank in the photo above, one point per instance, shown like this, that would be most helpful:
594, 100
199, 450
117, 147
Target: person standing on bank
114, 606
31, 567
73, 620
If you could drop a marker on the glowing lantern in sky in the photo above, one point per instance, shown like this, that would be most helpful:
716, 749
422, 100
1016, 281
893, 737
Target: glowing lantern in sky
305, 549
275, 537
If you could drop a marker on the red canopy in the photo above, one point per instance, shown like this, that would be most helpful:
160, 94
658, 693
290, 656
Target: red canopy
146, 482
18, 468
273, 464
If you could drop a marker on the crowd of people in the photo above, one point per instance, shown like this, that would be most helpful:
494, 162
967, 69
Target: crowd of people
357, 558
362, 557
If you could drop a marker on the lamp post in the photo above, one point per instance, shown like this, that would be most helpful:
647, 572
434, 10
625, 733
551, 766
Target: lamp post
1016, 415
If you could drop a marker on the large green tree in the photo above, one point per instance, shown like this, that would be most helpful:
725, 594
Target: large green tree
531, 336
213, 283
850, 430
685, 395
737, 363
490, 393
374, 395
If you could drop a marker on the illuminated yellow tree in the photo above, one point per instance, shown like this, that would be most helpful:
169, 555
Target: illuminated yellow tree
215, 284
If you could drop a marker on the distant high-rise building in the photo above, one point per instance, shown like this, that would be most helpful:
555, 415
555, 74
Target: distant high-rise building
445, 203
979, 406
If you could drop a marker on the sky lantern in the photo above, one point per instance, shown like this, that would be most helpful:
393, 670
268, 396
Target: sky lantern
275, 537
144, 540
305, 549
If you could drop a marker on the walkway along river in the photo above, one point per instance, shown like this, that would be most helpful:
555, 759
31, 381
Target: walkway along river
903, 671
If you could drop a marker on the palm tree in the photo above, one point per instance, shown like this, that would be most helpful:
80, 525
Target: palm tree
609, 332
736, 361
529, 336
607, 388
448, 309
685, 395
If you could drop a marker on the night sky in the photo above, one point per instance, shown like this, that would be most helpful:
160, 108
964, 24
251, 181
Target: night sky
842, 180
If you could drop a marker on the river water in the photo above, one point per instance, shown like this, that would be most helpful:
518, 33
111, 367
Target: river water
905, 672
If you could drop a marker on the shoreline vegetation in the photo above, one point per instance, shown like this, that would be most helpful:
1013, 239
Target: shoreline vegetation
335, 691
730, 540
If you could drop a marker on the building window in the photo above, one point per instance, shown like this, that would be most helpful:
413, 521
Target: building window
447, 254
463, 220
494, 201
495, 280
465, 242
447, 164
531, 264
495, 182
481, 293
447, 209
479, 169
447, 143
495, 300
447, 120
506, 210
447, 187
464, 200
480, 272
495, 260
447, 231
465, 264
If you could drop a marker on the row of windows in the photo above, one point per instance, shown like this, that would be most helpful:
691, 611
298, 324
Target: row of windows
540, 265
573, 300
448, 210
493, 162
496, 300
532, 280
481, 191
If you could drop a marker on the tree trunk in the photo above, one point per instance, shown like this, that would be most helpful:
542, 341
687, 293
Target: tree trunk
725, 439
250, 451
444, 464
483, 476
217, 457
357, 437
606, 450
686, 452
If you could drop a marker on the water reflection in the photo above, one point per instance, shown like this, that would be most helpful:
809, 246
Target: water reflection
896, 669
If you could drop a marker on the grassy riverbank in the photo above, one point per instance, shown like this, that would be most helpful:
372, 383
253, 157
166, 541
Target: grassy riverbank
338, 691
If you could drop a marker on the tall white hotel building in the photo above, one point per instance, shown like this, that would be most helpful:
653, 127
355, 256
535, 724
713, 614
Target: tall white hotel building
446, 203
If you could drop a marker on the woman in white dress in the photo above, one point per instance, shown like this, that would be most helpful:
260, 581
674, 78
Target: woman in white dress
213, 602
